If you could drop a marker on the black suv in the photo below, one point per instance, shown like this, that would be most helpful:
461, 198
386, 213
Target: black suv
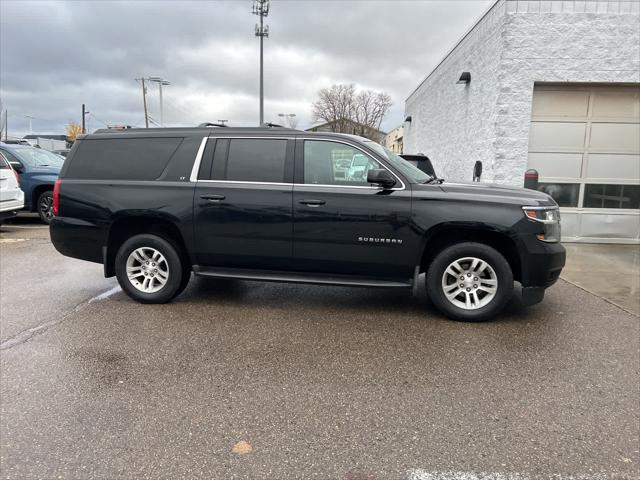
154, 205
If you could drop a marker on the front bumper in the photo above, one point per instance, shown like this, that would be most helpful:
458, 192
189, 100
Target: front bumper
541, 266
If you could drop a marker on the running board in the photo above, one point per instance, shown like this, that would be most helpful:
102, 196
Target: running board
296, 277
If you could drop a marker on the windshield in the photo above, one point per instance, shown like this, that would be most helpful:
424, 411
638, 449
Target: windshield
37, 157
412, 173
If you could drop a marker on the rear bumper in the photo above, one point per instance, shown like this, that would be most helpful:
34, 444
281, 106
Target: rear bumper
77, 238
12, 205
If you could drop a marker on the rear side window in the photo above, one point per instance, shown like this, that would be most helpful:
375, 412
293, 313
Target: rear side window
250, 160
4, 165
122, 159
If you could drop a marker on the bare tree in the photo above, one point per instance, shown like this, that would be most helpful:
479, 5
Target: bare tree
348, 111
335, 105
293, 122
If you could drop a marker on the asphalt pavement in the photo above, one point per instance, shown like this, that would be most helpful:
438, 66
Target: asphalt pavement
264, 380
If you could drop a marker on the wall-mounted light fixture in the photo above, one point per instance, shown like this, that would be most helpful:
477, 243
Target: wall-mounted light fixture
465, 78
408, 119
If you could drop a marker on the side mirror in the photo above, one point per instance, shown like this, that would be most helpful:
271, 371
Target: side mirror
382, 177
477, 171
17, 166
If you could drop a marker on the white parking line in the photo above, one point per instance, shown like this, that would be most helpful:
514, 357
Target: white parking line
26, 227
419, 474
27, 334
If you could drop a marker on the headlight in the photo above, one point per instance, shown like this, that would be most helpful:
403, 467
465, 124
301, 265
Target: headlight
549, 217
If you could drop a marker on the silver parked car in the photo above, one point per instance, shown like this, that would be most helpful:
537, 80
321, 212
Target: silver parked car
11, 197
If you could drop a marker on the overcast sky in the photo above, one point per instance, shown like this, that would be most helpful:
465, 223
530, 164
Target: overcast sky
54, 56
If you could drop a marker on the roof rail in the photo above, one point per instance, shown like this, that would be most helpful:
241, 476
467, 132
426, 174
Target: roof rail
210, 124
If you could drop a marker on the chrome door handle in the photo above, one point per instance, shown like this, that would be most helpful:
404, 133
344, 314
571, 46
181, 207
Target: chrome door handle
212, 198
312, 203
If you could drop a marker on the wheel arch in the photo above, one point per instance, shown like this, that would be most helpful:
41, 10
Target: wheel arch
444, 235
36, 192
128, 226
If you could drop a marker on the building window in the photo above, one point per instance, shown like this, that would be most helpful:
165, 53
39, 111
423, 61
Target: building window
565, 194
612, 196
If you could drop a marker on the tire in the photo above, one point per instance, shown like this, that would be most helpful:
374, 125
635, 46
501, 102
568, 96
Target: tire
481, 288
154, 260
45, 206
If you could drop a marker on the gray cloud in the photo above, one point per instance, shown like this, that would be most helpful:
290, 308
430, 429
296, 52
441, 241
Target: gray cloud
54, 56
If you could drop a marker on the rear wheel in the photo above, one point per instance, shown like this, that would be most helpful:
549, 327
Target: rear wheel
45, 206
470, 282
150, 270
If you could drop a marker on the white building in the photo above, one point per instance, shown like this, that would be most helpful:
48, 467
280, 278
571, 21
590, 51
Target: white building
555, 86
394, 139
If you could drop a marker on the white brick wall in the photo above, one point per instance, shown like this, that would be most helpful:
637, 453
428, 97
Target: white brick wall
507, 52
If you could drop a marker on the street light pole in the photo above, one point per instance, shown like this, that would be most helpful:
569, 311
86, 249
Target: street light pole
288, 117
30, 123
261, 8
160, 81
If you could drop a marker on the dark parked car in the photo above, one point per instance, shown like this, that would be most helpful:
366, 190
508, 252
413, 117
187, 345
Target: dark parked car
155, 205
37, 171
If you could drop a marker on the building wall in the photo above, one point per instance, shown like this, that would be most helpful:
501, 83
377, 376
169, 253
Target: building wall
515, 45
394, 139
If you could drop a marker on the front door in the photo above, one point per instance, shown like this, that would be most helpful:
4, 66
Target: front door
344, 225
242, 203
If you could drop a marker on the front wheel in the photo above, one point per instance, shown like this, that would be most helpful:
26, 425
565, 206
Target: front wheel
45, 206
470, 282
149, 269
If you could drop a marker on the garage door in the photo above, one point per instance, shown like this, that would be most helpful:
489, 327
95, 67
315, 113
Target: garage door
585, 143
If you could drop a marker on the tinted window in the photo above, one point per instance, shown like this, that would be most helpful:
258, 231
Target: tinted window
4, 165
250, 160
122, 159
565, 194
332, 163
612, 196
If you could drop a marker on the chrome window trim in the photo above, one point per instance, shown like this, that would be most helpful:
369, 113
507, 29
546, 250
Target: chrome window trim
198, 160
246, 182
196, 165
357, 148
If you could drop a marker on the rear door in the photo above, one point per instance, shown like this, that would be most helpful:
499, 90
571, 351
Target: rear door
242, 204
9, 189
342, 224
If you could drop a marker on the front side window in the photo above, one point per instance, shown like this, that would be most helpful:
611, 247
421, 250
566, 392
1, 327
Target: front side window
333, 163
251, 160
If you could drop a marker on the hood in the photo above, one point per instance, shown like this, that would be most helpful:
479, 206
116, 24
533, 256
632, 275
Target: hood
490, 192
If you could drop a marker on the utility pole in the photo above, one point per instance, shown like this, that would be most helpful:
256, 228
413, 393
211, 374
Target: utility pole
84, 130
261, 8
160, 81
144, 102
6, 124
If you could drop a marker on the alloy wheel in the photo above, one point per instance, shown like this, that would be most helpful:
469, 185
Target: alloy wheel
147, 269
469, 283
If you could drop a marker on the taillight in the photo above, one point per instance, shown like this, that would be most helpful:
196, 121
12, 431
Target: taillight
16, 175
56, 197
